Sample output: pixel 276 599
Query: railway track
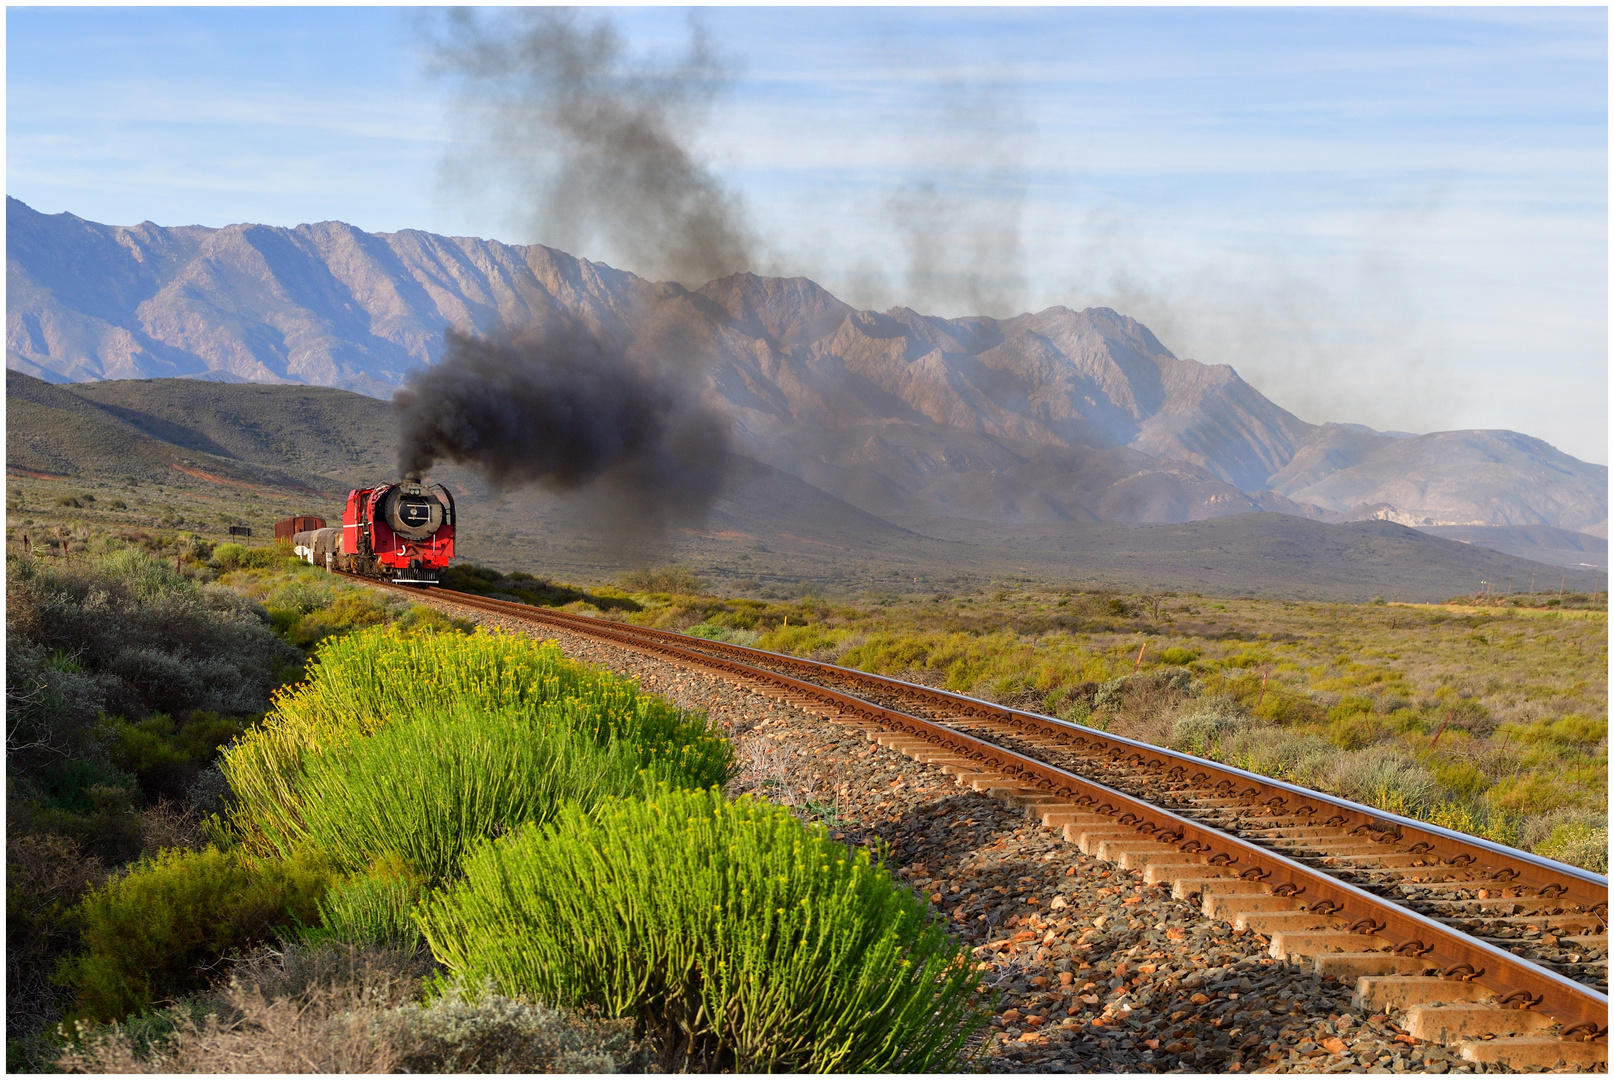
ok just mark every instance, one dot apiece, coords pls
pixel 1493 950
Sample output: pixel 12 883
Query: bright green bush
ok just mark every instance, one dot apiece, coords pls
pixel 424 790
pixel 370 910
pixel 1567 731
pixel 147 934
pixel 714 632
pixel 373 679
pixel 229 556
pixel 735 936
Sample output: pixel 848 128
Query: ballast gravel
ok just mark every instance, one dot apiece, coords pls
pixel 1086 969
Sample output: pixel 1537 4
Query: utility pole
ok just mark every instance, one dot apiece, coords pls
pixel 1561 587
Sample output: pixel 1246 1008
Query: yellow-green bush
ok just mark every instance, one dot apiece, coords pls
pixel 371 909
pixel 1352 731
pixel 149 934
pixel 497 727
pixel 735 936
pixel 1572 731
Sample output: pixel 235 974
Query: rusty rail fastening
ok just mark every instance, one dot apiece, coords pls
pixel 1580 1009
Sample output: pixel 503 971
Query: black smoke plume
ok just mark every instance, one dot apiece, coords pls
pixel 597 145
pixel 562 409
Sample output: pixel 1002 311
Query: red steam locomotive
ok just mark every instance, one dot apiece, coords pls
pixel 401 532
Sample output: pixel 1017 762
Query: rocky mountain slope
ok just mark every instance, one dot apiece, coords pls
pixel 1053 416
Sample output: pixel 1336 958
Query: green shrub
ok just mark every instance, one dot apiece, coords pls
pixel 1078 712
pixel 1474 819
pixel 370 910
pixel 127 635
pixel 167 756
pixel 422 619
pixel 425 790
pixel 229 556
pixel 1567 731
pixel 1579 843
pixel 1178 655
pixel 735 936
pixel 1201 727
pixel 1385 777
pixel 147 934
pixel 1355 730
pixel 371 679
pixel 100 818
pixel 661 579
pixel 732 635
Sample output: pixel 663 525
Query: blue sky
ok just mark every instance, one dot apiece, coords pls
pixel 1389 216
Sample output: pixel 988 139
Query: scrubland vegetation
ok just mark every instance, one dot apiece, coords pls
pixel 1489 718
pixel 218 848
pixel 260 818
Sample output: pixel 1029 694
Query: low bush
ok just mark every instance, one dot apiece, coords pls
pixel 167 755
pixel 99 817
pixel 46 876
pixel 661 579
pixel 1580 841
pixel 1355 730
pixel 1203 722
pixel 232 556
pixel 382 974
pixel 732 635
pixel 127 635
pixel 1572 731
pixel 348 1027
pixel 370 910
pixel 1385 777
pixel 148 934
pixel 424 790
pixel 732 934
pixel 510 689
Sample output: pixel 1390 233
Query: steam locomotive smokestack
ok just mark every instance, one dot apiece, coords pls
pixel 562 409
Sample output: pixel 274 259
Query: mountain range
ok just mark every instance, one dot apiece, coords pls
pixel 212 453
pixel 1054 418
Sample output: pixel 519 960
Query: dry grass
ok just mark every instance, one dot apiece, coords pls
pixel 168 824
pixel 340 1009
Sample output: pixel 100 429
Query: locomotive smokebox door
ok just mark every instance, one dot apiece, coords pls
pixel 411 511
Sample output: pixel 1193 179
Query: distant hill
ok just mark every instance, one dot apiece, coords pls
pixel 1048 417
pixel 1460 478
pixel 56 431
pixel 1560 547
pixel 302 447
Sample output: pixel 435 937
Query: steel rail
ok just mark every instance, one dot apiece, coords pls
pixel 1569 1002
